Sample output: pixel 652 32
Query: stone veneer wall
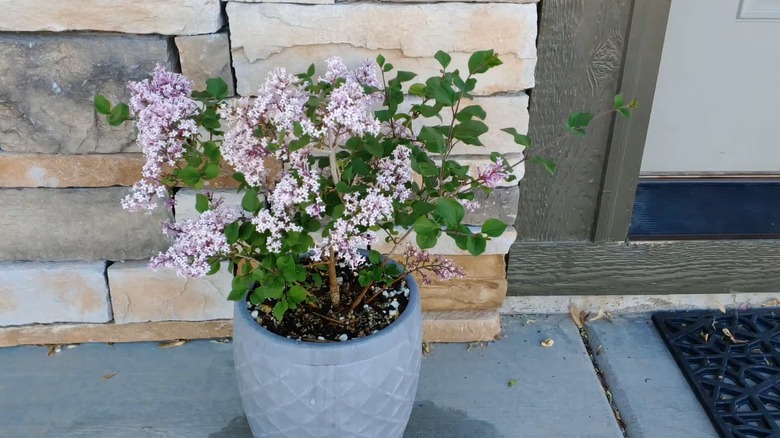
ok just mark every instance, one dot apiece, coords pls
pixel 72 263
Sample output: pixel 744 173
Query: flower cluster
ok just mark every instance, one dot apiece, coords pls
pixel 334 155
pixel 196 241
pixel 163 112
pixel 418 260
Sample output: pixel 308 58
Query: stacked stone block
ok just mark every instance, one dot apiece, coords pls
pixel 69 255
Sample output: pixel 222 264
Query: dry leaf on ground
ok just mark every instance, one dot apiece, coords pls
pixel 547 343
pixel 577 315
pixel 774 302
pixel 601 315
pixel 54 349
pixel 110 375
pixel 728 334
pixel 598 350
pixel 426 348
pixel 511 383
pixel 172 344
pixel 721 307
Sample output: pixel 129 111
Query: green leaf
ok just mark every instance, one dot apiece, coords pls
pixel 577 122
pixel 425 242
pixel 217 88
pixel 471 111
pixel 245 230
pixel 418 90
pixel 442 93
pixel 250 202
pixel 432 139
pixel 493 227
pixel 102 105
pixel 231 233
pixel 211 171
pixel 425 227
pixel 190 176
pixel 374 257
pixel 443 58
pixel 619 102
pixel 201 202
pixel 380 60
pixel 476 244
pixel 280 309
pixel 548 165
pixel 404 76
pixel 482 61
pixel 297 294
pixel 310 71
pixel 451 211
pixel 469 131
pixel 211 150
pixel 374 148
pixel 519 138
pixel 625 112
pixel 119 114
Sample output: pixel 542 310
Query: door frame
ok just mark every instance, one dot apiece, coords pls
pixel 573 228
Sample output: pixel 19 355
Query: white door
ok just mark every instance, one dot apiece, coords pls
pixel 717 100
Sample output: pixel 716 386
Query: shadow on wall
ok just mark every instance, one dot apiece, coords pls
pixel 427 420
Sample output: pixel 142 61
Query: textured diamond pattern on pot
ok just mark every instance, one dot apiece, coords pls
pixel 370 398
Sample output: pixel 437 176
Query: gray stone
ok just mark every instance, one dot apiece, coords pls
pixel 501 204
pixel 76 224
pixel 48 82
pixel 53 292
pixel 185 202
pixel 206 56
pixel 649 389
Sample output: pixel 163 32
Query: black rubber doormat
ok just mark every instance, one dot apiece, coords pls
pixel 732 362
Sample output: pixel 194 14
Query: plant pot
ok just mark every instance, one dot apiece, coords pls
pixel 359 388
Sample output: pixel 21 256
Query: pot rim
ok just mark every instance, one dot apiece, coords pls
pixel 411 309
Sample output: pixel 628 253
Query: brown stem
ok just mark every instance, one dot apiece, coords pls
pixel 335 295
pixel 556 141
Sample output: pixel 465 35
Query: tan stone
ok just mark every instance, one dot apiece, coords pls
pixel 461 326
pixel 167 17
pixel 206 56
pixel 451 326
pixel 53 292
pixel 140 294
pixel 265 36
pixel 95 170
pixel 464 294
pixel 484 266
pixel 138 332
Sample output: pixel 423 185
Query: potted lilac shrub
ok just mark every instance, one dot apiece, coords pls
pixel 328 329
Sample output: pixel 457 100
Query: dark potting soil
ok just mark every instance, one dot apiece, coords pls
pixel 320 322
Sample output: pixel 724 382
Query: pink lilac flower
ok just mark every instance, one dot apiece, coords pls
pixel 349 111
pixel 195 241
pixel 144 195
pixel 163 111
pixel 493 174
pixel 280 104
pixel 395 173
pixel 470 206
pixel 419 259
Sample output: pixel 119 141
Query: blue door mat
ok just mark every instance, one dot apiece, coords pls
pixel 732 362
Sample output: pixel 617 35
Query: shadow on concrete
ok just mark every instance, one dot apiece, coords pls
pixel 427 420
pixel 238 427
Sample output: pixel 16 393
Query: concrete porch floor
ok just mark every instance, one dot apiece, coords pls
pixel 190 391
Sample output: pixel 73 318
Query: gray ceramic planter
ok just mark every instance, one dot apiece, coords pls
pixel 358 388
